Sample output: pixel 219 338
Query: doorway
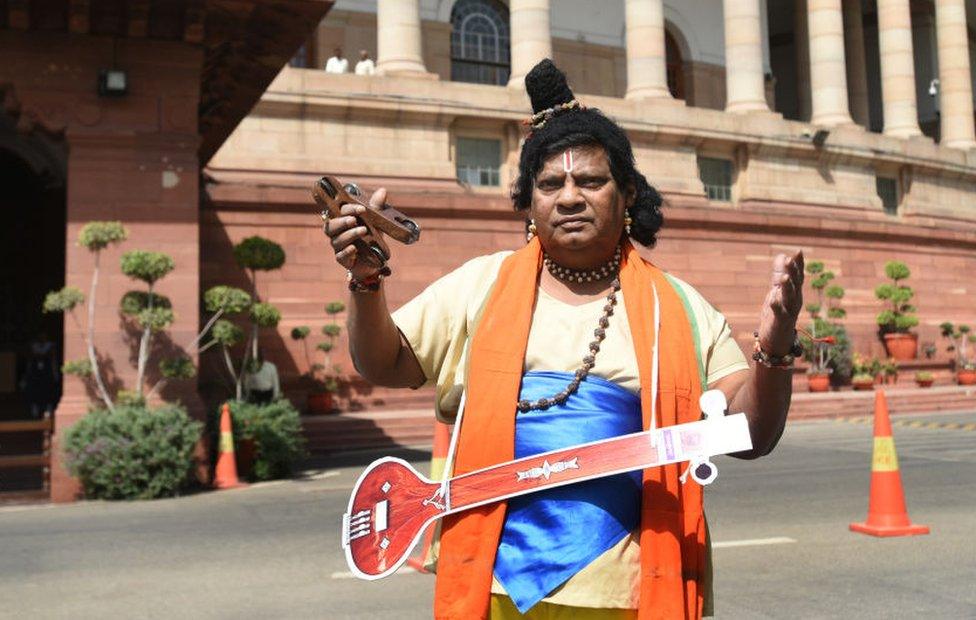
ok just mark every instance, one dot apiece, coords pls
pixel 32 233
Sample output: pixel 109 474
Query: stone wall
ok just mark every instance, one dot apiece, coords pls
pixel 132 158
pixel 787 194
pixel 725 251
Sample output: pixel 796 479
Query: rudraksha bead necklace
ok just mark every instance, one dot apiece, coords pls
pixel 589 360
pixel 583 275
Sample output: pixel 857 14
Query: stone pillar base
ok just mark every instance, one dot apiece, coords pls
pixel 410 73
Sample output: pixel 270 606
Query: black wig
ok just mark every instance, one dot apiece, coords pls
pixel 547 89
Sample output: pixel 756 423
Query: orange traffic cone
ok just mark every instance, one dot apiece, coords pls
pixel 225 474
pixel 438 458
pixel 887 515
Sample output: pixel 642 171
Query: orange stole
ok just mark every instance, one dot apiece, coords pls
pixel 672 530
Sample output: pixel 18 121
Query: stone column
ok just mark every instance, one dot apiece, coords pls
pixel 897 69
pixel 398 38
pixel 828 77
pixel 531 39
pixel 955 89
pixel 857 73
pixel 744 85
pixel 647 74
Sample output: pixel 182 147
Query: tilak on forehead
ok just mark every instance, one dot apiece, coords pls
pixel 568 161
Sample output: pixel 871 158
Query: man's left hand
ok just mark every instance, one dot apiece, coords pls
pixel 777 320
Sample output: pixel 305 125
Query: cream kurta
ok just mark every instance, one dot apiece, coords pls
pixel 439 322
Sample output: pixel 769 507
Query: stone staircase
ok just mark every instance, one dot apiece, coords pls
pixel 25 459
pixel 327 434
pixel 414 427
pixel 901 400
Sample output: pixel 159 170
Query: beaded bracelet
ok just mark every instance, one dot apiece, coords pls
pixel 777 361
pixel 370 284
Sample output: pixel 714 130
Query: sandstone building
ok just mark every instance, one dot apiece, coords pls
pixel 844 127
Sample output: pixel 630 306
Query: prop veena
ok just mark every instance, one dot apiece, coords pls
pixel 392 503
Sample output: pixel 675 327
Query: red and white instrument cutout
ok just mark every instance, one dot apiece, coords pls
pixel 392 503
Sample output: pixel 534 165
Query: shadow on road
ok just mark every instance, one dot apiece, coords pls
pixel 362 458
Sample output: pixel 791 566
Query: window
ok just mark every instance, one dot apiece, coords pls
pixel 888 192
pixel 478 161
pixel 675 66
pixel 480 42
pixel 716 176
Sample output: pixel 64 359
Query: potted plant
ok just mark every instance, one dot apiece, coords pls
pixel 889 370
pixel 960 337
pixel 865 372
pixel 819 343
pixel 924 379
pixel 325 378
pixel 898 318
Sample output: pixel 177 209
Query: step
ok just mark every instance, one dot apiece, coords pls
pixel 390 428
pixel 24 460
pixel 379 429
pixel 24 497
pixel 899 399
pixel 24 426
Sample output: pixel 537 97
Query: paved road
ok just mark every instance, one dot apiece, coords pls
pixel 271 551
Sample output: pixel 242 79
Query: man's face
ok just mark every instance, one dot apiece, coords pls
pixel 577 206
pixel 338 52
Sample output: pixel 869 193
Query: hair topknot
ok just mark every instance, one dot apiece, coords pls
pixel 581 126
pixel 547 86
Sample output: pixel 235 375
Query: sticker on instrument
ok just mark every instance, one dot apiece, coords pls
pixel 671 449
pixel 692 441
pixel 547 470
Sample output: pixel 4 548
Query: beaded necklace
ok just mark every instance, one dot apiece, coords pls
pixel 567 274
pixel 589 360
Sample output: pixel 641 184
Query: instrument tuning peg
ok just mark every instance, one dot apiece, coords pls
pixel 713 404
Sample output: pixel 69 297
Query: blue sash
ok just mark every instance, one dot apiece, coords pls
pixel 551 535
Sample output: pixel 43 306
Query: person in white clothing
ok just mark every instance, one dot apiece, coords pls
pixel 261 383
pixel 365 66
pixel 337 64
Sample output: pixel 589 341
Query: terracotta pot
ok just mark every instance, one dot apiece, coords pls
pixel 319 404
pixel 901 346
pixel 818 382
pixel 866 385
pixel 966 377
pixel 924 383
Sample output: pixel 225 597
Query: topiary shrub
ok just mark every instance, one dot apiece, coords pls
pixel 132 452
pixel 259 254
pixel 277 433
pixel 898 315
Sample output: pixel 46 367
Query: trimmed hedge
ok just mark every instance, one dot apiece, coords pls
pixel 133 452
pixel 276 429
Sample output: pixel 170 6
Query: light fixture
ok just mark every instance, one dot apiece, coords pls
pixel 112 82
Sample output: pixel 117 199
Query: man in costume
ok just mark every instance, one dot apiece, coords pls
pixel 555 345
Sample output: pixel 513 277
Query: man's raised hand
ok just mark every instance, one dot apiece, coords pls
pixel 344 230
pixel 780 309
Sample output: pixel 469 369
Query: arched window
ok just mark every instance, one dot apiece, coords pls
pixel 479 42
pixel 675 66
